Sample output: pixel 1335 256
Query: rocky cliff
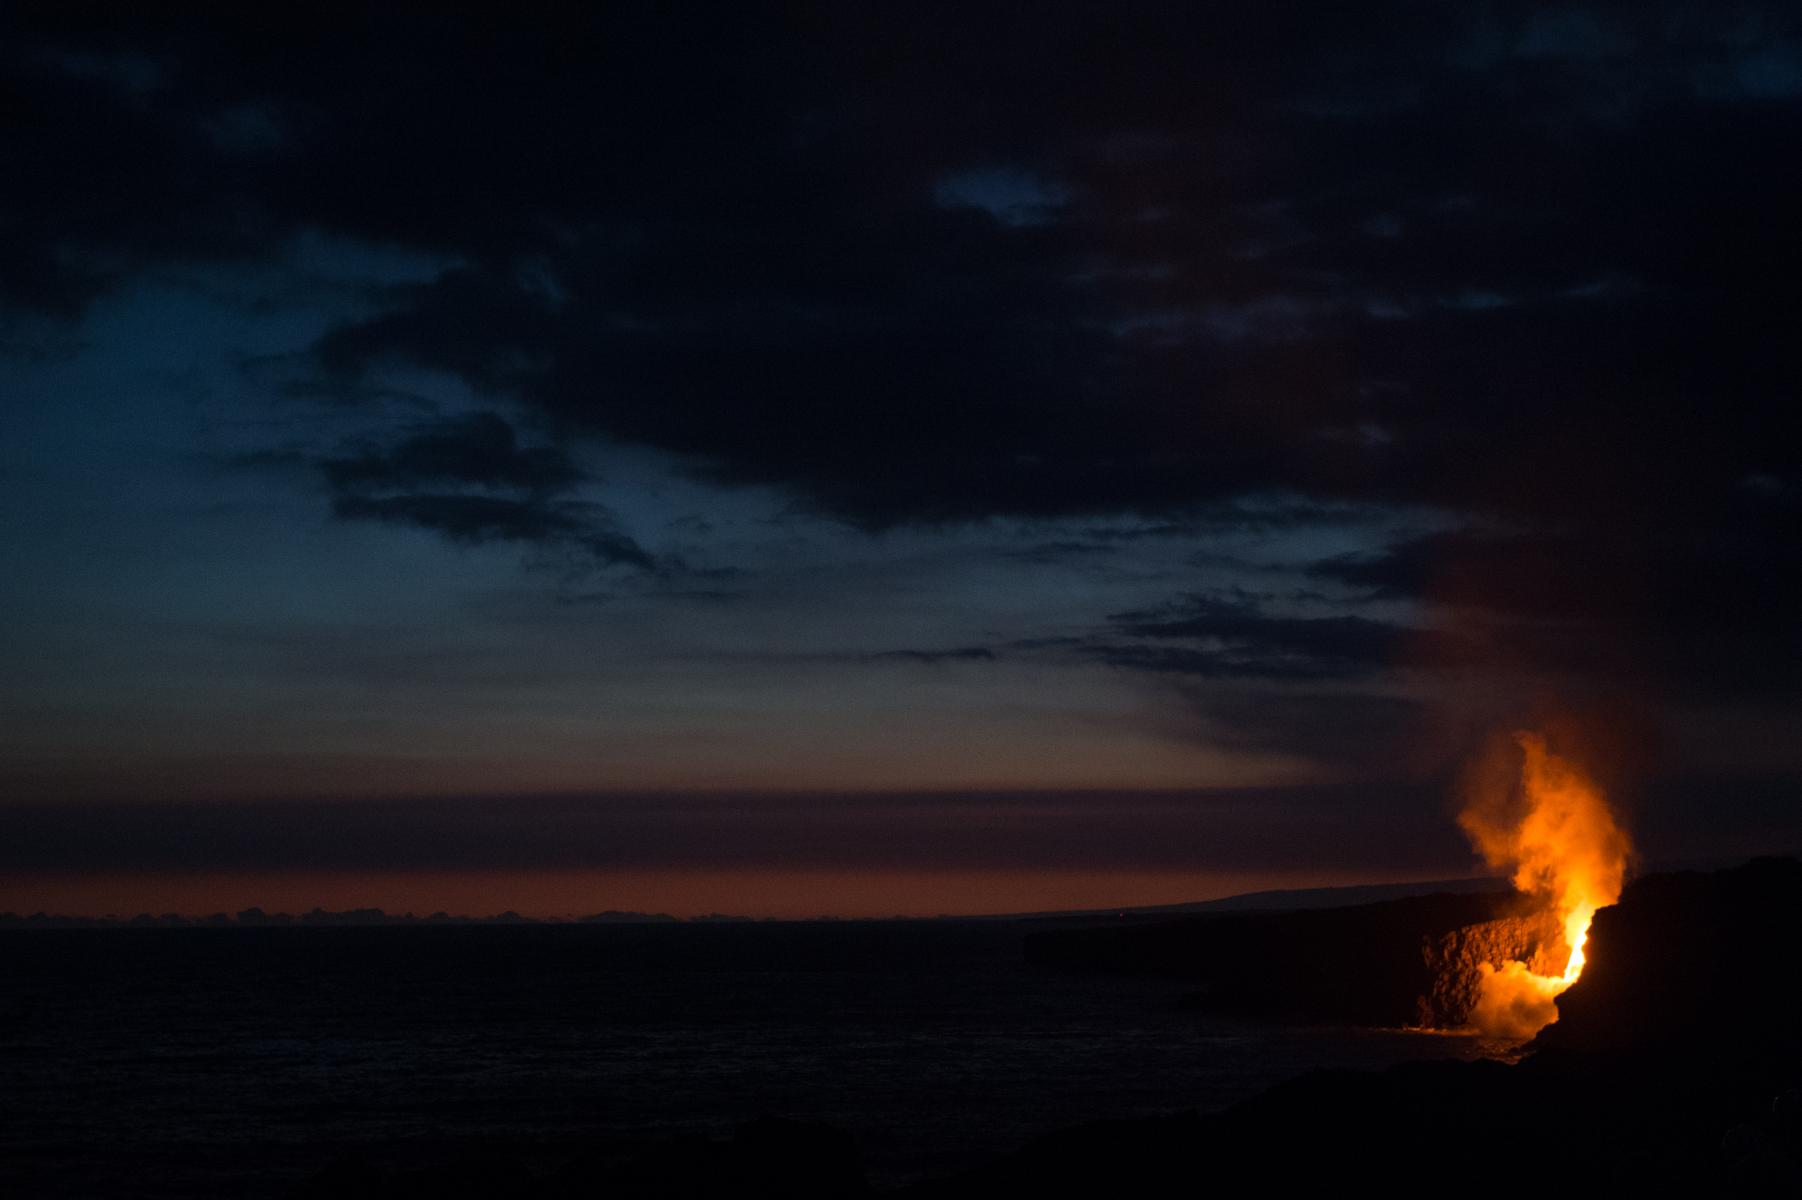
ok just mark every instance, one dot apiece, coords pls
pixel 1452 963
pixel 1397 963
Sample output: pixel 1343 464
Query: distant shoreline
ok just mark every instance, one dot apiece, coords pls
pixel 257 918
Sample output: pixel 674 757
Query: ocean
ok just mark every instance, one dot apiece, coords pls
pixel 240 1061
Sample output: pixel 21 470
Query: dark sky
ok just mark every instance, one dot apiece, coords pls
pixel 1146 447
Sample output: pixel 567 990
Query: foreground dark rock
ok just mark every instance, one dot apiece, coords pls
pixel 1692 959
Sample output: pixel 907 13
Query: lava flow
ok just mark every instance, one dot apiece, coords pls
pixel 1557 834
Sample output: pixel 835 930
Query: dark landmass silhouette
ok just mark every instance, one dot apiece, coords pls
pixel 1676 1065
pixel 1368 964
pixel 1277 900
pixel 1280 900
pixel 256 918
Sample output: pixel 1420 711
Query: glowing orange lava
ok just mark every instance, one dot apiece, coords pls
pixel 1557 834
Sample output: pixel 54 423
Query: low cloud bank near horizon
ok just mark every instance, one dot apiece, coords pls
pixel 1370 829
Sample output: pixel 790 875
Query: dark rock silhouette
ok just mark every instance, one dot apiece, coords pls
pixel 255 917
pixel 1691 960
pixel 1386 964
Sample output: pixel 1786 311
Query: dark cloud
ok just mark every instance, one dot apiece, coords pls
pixel 1055 553
pixel 507 493
pixel 960 654
pixel 1363 733
pixel 1274 828
pixel 1249 680
pixel 1702 609
pixel 1055 642
pixel 1381 826
pixel 915 265
pixel 1230 637
pixel 474 520
pixel 1211 637
pixel 480 449
pixel 1249 514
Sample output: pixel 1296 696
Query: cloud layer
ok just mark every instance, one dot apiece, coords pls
pixel 1166 289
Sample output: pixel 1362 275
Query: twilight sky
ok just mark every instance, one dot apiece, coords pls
pixel 874 459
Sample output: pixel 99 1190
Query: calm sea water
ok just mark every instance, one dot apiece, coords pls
pixel 236 1062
